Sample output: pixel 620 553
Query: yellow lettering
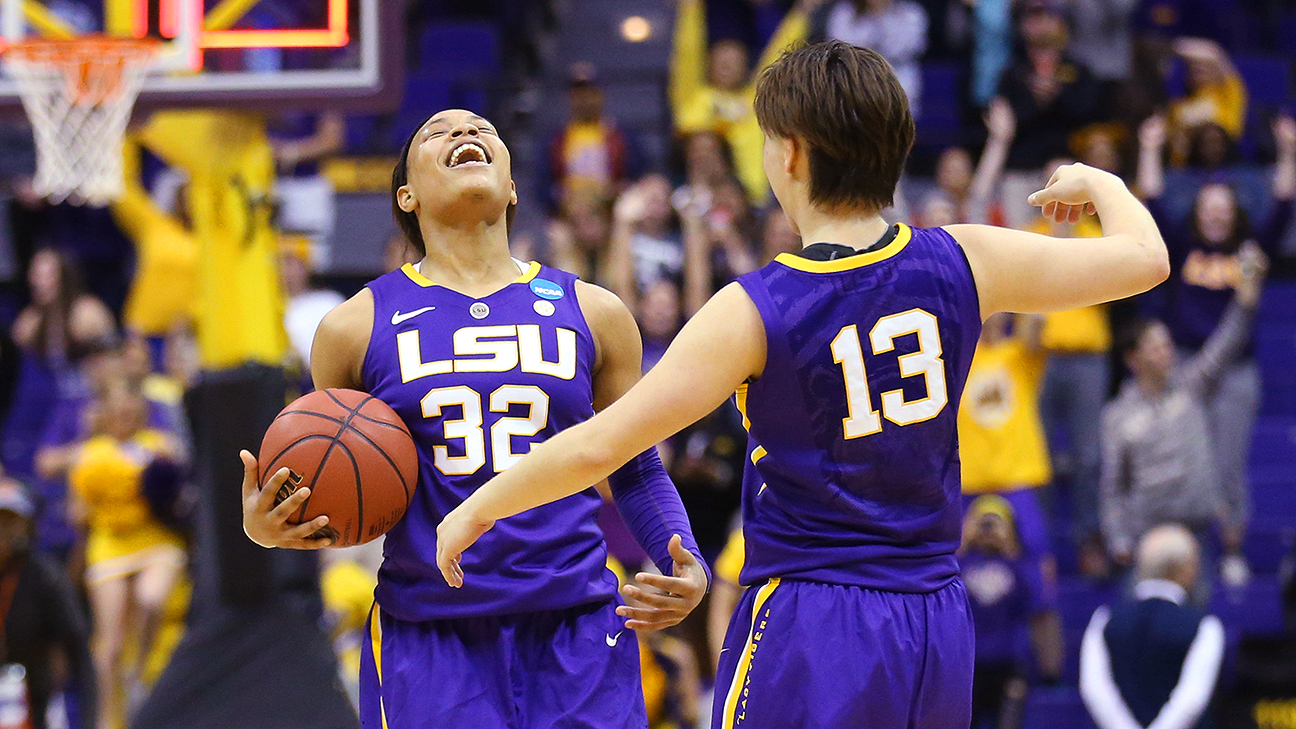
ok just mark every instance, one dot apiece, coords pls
pixel 1214 271
pixel 503 353
pixel 412 365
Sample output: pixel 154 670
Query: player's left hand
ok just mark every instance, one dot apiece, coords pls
pixel 458 531
pixel 658 601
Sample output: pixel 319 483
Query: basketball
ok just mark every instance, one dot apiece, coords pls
pixel 355 455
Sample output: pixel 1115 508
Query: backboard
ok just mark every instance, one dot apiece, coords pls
pixel 294 54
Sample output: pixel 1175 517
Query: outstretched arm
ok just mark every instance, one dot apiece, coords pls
pixel 618 272
pixel 1151 170
pixel 643 492
pixel 1284 179
pixel 1031 273
pixel 720 348
pixel 1001 125
pixel 794 29
pixel 688 57
pixel 1234 330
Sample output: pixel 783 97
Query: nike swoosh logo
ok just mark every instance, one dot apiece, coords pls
pixel 398 317
pixel 612 639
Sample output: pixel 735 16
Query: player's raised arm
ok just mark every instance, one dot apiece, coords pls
pixel 719 348
pixel 1026 272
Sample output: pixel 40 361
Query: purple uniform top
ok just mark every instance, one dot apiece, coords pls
pixel 853 468
pixel 478 382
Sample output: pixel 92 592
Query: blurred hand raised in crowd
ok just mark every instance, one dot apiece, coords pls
pixel 1152 132
pixel 631 206
pixel 1254 265
pixel 1284 131
pixel 1000 121
pixel 691 202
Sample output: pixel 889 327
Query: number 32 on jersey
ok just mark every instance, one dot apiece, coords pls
pixel 848 352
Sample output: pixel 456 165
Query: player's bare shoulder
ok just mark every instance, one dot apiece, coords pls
pixel 610 321
pixel 341 341
pixel 602 307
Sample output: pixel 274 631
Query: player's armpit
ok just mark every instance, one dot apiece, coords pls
pixel 619 357
pixel 341 341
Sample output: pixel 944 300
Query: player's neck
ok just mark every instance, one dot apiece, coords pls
pixel 854 231
pixel 474 261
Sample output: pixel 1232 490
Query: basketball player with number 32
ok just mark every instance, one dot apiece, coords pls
pixel 482 356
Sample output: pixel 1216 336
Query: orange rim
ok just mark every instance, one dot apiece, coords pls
pixel 91 65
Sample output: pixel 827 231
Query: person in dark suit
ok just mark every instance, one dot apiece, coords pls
pixel 1153 659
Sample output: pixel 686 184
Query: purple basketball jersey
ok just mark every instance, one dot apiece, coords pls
pixel 478 382
pixel 853 469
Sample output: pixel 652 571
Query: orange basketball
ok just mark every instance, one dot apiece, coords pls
pixel 356 456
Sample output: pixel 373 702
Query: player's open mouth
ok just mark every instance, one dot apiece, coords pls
pixel 468 154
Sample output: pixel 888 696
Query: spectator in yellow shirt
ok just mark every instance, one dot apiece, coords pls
pixel 1216 96
pixel 1001 439
pixel 132 560
pixel 714 89
pixel 1075 386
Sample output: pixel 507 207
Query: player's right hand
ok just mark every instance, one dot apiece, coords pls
pixel 267 524
pixel 1069 193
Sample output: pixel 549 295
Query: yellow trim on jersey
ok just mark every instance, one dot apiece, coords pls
pixel 408 269
pixel 530 273
pixel 413 274
pixel 375 635
pixel 740 400
pixel 791 260
pixel 758 453
pixel 734 699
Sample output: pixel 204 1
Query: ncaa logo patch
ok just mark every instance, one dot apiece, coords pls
pixel 547 289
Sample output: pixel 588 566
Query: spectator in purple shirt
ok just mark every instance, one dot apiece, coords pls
pixel 1206 256
pixel 1007 594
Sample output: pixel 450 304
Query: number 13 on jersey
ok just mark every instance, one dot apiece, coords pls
pixel 848 352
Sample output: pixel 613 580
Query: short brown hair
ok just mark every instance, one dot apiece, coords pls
pixel 848 107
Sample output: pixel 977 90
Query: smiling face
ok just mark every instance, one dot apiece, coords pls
pixel 728 65
pixel 457 170
pixel 1216 213
pixel 954 171
pixel 1154 355
pixel 45 277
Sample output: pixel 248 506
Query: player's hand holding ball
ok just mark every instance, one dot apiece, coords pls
pixel 1070 192
pixel 267 524
pixel 658 601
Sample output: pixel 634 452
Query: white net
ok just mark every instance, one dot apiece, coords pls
pixel 78 95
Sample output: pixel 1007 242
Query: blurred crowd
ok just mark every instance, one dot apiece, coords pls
pixel 1082 432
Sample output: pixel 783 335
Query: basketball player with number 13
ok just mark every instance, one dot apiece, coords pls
pixel 482 356
pixel 848 361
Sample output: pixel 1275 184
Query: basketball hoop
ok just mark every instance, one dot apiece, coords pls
pixel 78 95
